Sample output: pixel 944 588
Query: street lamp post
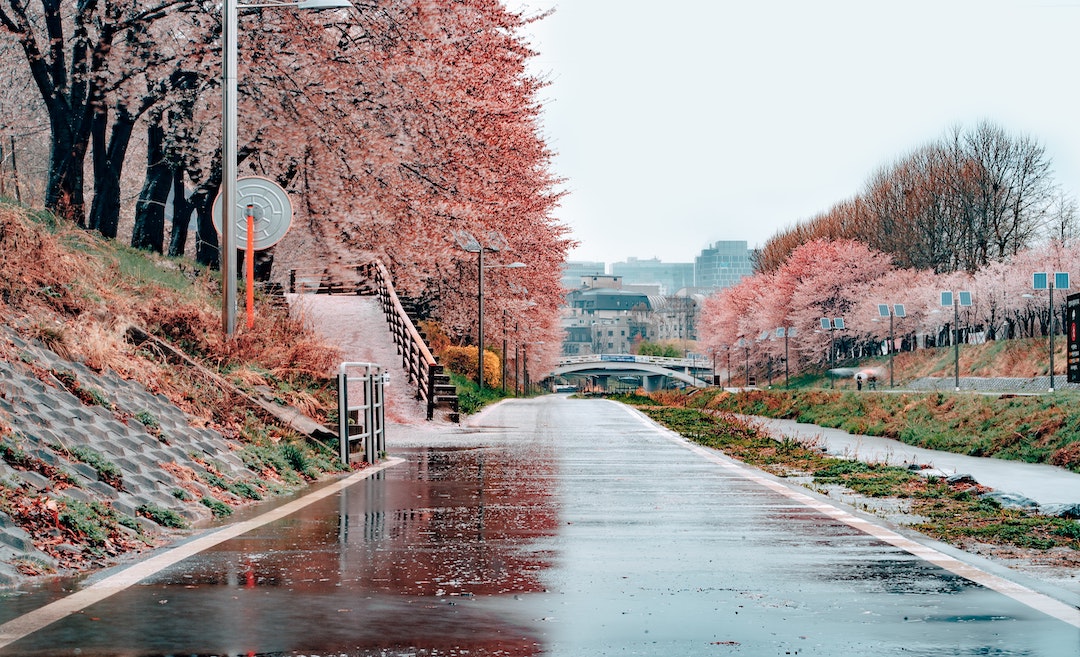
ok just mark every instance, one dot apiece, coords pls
pixel 743 342
pixel 227 255
pixel 728 347
pixel 480 322
pixel 896 310
pixel 786 332
pixel 480 318
pixel 830 325
pixel 1042 281
pixel 472 245
pixel 525 364
pixel 517 357
pixel 713 350
pixel 961 298
pixel 504 354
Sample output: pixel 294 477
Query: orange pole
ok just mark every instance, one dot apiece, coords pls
pixel 249 267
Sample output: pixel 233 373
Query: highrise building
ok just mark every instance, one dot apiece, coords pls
pixel 723 264
pixel 575 270
pixel 670 276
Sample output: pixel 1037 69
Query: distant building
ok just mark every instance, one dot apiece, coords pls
pixel 600 282
pixel 670 276
pixel 605 319
pixel 723 265
pixel 575 270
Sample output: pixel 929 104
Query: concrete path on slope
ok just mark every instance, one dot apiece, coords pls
pixel 357 326
pixel 1046 484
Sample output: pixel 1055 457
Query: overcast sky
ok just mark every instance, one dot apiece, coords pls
pixel 683 122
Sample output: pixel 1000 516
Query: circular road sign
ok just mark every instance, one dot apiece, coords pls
pixel 270 206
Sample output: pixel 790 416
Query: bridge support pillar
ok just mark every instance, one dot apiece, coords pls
pixel 653 382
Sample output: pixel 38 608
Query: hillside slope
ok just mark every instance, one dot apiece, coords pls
pixel 108 444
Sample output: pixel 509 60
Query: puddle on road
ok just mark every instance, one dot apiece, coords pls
pixel 452 553
pixel 427 558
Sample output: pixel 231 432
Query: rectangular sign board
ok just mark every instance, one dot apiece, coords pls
pixel 1072 327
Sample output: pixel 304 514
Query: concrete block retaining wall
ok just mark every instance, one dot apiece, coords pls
pixel 48 421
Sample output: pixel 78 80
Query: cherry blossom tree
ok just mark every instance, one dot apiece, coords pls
pixel 394 126
pixel 69 48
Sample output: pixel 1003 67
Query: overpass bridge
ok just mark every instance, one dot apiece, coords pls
pixel 653 371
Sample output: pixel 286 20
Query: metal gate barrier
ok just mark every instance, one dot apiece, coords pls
pixel 361 426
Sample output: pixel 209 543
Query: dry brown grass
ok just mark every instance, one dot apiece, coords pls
pixel 1024 358
pixel 76 293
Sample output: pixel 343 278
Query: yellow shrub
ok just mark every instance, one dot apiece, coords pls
pixel 462 361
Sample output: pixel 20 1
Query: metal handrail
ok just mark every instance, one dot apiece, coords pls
pixel 369 415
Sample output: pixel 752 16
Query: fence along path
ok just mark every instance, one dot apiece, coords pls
pixel 377 328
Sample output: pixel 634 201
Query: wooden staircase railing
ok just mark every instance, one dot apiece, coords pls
pixel 433 385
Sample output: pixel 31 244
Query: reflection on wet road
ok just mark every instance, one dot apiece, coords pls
pixel 565 527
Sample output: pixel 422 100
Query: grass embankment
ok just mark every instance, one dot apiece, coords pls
pixel 1034 429
pixel 952 513
pixel 78 293
pixel 471 398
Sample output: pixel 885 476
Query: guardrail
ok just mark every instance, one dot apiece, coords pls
pixel 698 363
pixel 433 386
pixel 363 422
pixel 321 281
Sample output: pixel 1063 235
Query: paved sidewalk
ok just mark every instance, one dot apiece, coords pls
pixel 1045 484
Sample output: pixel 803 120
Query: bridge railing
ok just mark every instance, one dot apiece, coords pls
pixel 421 367
pixel 698 363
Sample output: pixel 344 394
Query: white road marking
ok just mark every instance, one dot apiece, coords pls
pixel 1038 601
pixel 42 617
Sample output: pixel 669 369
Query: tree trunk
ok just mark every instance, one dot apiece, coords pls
pixel 108 165
pixel 181 215
pixel 64 194
pixel 149 232
pixel 206 238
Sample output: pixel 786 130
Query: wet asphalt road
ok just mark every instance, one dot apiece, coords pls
pixel 554 527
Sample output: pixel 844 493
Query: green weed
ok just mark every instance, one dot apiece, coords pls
pixel 85 520
pixel 162 516
pixel 107 471
pixel 217 507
